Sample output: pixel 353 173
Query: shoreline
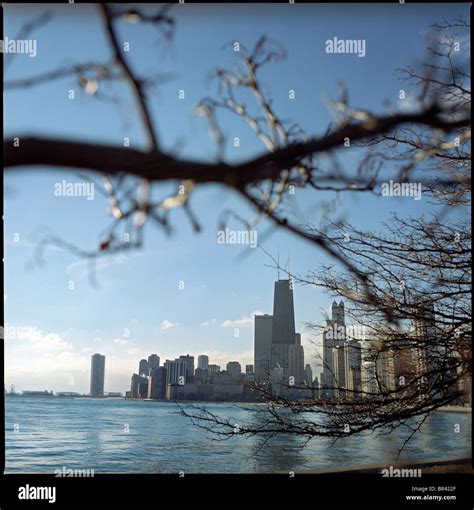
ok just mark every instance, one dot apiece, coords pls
pixel 427 466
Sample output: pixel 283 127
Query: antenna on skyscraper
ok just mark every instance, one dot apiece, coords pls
pixel 278 262
pixel 288 266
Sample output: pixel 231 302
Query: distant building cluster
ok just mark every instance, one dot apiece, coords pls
pixel 180 379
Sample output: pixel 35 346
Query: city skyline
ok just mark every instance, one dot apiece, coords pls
pixel 329 359
pixel 344 368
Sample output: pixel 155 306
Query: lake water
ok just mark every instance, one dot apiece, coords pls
pixel 44 434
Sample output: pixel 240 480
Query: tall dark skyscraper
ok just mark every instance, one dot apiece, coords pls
pixel 283 329
pixel 277 346
pixel 97 375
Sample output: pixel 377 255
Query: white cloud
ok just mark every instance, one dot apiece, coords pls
pixel 241 323
pixel 209 323
pixel 35 339
pixel 168 324
pixel 121 341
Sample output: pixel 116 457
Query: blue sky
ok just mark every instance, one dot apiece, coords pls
pixel 138 308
